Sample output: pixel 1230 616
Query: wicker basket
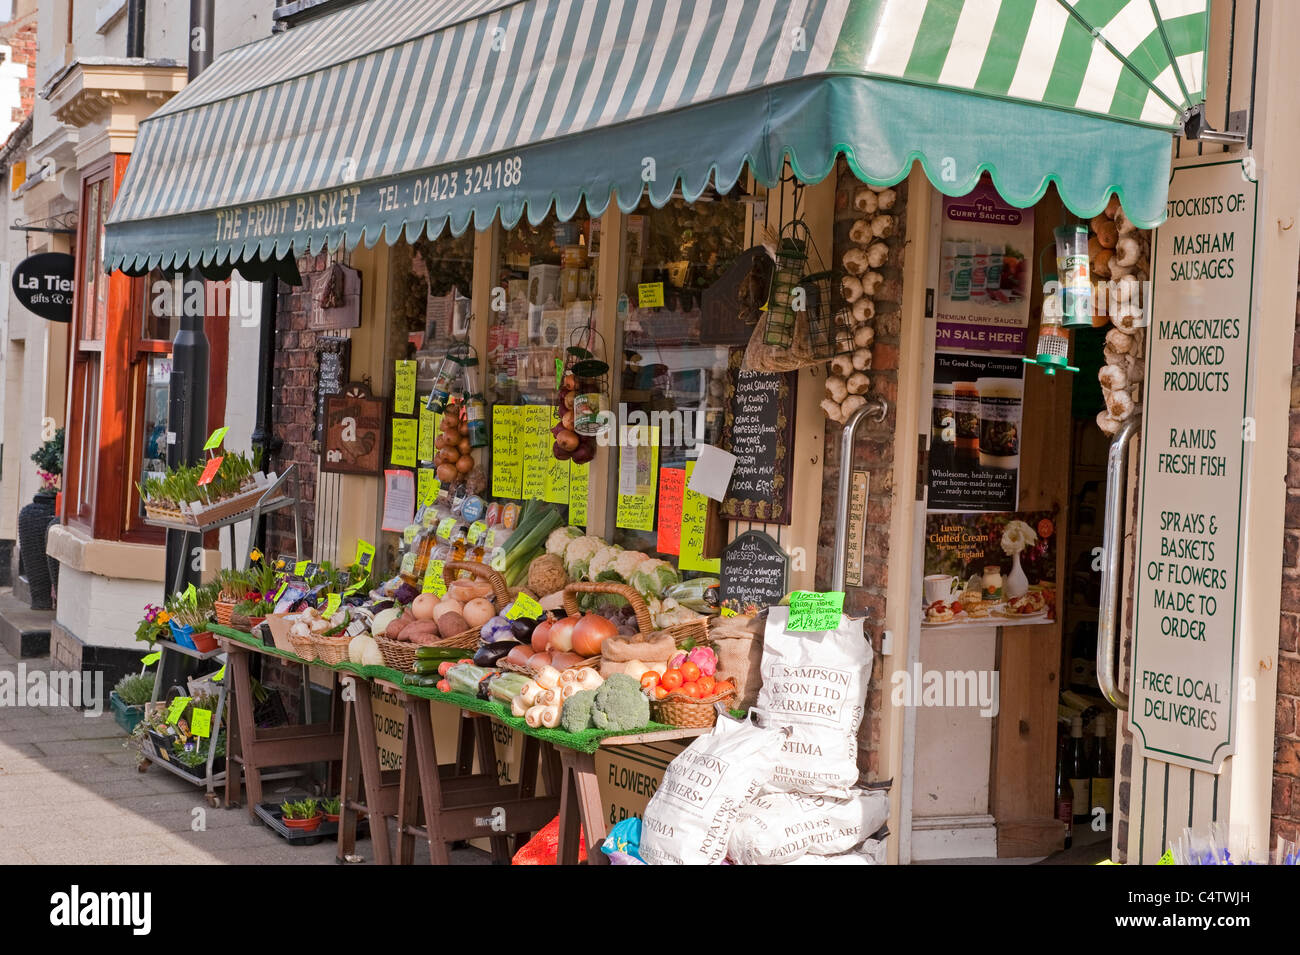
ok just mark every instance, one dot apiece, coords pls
pixel 679 709
pixel 304 647
pixel 331 650
pixel 398 654
pixel 468 639
pixel 694 630
pixel 643 622
pixel 223 609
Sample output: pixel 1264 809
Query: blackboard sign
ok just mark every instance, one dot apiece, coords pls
pixel 754 573
pixel 43 284
pixel 758 428
pixel 731 306
pixel 332 360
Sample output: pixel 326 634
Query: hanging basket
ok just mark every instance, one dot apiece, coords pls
pixel 830 329
pixel 791 266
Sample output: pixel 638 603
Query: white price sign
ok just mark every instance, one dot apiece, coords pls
pixel 1196 446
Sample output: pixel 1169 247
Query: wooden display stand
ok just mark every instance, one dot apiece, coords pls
pixel 251 750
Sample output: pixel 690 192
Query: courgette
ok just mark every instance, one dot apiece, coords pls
pixel 416 679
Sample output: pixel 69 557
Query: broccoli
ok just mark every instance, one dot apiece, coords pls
pixel 576 714
pixel 620 705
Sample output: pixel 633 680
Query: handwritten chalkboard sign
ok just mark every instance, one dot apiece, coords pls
pixel 731 306
pixel 754 572
pixel 758 428
pixel 332 360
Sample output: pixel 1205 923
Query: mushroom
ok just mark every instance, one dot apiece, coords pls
pixel 865 199
pixel 864 310
pixel 1119 341
pixel 859 384
pixel 851 287
pixel 882 226
pixel 877 252
pixel 1113 377
pixel 860 231
pixel 1107 424
pixel 832 409
pixel 842 365
pixel 887 198
pixel 856 261
pixel 836 388
pixel 1119 404
pixel 871 282
pixel 863 336
pixel 1127 252
pixel 861 359
pixel 851 404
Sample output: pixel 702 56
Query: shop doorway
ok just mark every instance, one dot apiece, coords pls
pixel 1000 678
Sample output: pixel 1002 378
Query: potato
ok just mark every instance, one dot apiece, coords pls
pixel 423 632
pixel 451 623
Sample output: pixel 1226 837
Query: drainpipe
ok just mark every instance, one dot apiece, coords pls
pixel 188 386
pixel 264 420
pixel 135 28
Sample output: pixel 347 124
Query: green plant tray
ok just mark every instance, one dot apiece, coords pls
pixel 126 715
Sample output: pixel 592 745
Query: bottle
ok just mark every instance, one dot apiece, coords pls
pixel 1076 770
pixel 1102 771
pixel 1064 797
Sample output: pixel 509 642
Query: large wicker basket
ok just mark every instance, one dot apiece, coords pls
pixel 468 639
pixel 331 650
pixel 398 654
pixel 305 647
pixel 681 709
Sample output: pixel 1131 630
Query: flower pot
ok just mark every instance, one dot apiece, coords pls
pixel 331 817
pixel 33 525
pixel 203 641
pixel 126 716
pixel 304 825
pixel 223 609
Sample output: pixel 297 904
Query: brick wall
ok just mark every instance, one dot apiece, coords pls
pixel 873 452
pixel 23 43
pixel 1286 742
pixel 294 403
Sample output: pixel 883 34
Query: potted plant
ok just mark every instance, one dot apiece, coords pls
pixel 251 611
pixel 128 698
pixel 188 618
pixel 34 521
pixel 331 808
pixel 303 815
pixel 232 585
pixel 153 626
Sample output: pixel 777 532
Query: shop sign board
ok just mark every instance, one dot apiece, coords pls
pixel 755 572
pixel 355 426
pixel 758 428
pixel 43 285
pixel 1196 439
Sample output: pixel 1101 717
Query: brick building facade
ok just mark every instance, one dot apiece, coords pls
pixel 1286 742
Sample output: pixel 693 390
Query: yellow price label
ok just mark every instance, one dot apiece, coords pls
pixel 177 708
pixel 149 659
pixel 408 563
pixel 727 612
pixel 650 295
pixel 300 568
pixel 476 531
pixel 525 606
pixel 201 722
pixel 433 582
pixel 332 604
pixel 445 527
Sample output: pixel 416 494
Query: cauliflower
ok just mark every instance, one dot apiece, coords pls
pixel 559 539
pixel 603 561
pixel 620 705
pixel 669 613
pixel 576 714
pixel 652 577
pixel 627 562
pixel 578 553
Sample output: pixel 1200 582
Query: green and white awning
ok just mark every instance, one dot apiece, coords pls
pixel 393 117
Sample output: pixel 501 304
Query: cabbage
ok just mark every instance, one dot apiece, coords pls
pixel 652 577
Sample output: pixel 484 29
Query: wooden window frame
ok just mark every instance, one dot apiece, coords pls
pixel 114 501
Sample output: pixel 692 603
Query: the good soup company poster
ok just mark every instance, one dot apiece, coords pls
pixel 986 261
pixel 975 433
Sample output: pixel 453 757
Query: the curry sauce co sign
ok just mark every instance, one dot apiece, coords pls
pixel 43 284
pixel 1196 445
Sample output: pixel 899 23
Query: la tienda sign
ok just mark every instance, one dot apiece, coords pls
pixel 43 284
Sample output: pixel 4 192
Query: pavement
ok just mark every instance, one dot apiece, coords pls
pixel 71 793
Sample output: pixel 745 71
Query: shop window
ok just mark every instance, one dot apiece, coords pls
pixel 543 294
pixel 677 381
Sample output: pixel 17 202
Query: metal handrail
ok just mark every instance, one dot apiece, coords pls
pixel 1112 546
pixel 878 408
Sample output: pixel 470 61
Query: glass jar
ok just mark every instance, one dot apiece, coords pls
pixel 992 582
pixel 589 404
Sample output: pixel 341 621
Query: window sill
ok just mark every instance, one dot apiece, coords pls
pixel 74 548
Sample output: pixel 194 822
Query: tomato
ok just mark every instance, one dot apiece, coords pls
pixel 660 693
pixel 706 684
pixel 649 679
pixel 690 672
pixel 691 689
pixel 671 680
pixel 724 686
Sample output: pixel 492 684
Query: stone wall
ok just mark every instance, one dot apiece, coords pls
pixel 873 452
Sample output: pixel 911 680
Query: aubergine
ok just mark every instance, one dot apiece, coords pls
pixel 523 628
pixel 489 653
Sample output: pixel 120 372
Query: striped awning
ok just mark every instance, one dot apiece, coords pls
pixel 393 117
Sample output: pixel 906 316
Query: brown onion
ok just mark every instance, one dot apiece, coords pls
pixel 590 632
